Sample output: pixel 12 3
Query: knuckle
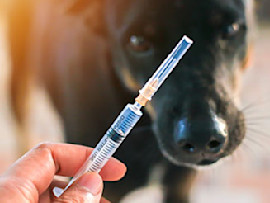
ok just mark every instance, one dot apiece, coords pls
pixel 43 145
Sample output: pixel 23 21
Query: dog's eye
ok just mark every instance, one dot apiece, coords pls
pixel 139 43
pixel 232 30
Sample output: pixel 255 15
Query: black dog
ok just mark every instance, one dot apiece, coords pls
pixel 92 69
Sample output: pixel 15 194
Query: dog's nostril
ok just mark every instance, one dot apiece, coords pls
pixel 214 146
pixel 186 146
pixel 189 148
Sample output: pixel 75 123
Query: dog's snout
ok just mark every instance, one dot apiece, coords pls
pixel 201 139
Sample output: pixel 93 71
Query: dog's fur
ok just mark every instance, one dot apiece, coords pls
pixel 83 55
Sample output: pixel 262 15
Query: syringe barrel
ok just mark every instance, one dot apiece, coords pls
pixel 109 143
pixel 113 137
pixel 129 116
pixel 98 158
pixel 116 134
pixel 127 120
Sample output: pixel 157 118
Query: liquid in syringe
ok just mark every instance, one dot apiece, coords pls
pixel 128 118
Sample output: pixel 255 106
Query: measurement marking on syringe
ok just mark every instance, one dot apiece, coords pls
pixel 130 115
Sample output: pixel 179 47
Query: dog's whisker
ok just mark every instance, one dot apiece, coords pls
pixel 260 137
pixel 259 122
pixel 259 132
pixel 237 154
pixel 252 124
pixel 255 119
pixel 252 147
pixel 248 150
pixel 256 142
pixel 241 152
pixel 258 118
pixel 256 114
pixel 255 125
pixel 254 104
pixel 253 140
pixel 261 143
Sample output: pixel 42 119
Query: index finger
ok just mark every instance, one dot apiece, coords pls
pixel 46 160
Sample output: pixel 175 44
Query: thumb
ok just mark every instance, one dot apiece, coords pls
pixel 87 189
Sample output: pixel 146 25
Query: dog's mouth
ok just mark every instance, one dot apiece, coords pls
pixel 203 163
pixel 192 161
pixel 207 162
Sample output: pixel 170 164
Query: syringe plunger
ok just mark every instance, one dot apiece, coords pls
pixel 129 116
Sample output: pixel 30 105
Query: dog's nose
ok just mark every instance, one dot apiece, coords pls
pixel 206 137
pixel 214 145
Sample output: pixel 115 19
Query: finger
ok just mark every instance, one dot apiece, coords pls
pixel 41 164
pixel 114 170
pixel 48 196
pixel 69 158
pixel 104 200
pixel 87 189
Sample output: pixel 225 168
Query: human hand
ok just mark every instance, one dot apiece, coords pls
pixel 31 178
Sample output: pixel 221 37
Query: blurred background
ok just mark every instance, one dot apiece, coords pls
pixel 241 178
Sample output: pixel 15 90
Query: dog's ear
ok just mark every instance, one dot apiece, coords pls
pixel 92 12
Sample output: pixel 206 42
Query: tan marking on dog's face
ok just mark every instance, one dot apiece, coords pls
pixel 246 63
pixel 248 59
pixel 151 111
pixel 129 80
pixel 134 86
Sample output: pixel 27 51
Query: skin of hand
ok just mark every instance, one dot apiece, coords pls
pixel 31 178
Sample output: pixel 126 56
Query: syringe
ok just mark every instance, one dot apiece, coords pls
pixel 129 116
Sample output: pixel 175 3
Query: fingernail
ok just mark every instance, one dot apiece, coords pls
pixel 92 181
